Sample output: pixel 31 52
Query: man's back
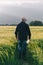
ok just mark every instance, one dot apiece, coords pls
pixel 22 31
pixel 23 36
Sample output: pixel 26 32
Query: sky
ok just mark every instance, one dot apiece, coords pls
pixel 12 10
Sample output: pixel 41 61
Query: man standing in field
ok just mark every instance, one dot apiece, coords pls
pixel 23 36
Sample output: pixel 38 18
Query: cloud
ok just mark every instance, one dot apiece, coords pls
pixel 32 9
pixel 18 2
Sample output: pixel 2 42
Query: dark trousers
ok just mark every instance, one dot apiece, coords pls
pixel 22 49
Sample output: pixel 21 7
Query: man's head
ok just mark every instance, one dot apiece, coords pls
pixel 24 19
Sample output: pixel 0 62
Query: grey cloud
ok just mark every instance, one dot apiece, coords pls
pixel 12 13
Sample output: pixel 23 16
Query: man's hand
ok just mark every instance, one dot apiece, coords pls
pixel 28 41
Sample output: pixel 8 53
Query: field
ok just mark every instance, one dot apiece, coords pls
pixel 8 50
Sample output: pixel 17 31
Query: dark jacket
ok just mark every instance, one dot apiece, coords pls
pixel 23 31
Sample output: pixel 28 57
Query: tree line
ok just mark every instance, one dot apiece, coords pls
pixel 32 23
pixel 36 23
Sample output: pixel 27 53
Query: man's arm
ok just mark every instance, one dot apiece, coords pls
pixel 16 32
pixel 28 35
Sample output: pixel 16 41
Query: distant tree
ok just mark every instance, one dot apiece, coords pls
pixel 13 24
pixel 6 24
pixel 36 23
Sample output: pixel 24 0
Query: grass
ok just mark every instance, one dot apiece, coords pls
pixel 8 47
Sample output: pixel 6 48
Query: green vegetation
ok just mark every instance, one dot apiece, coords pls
pixel 8 47
pixel 36 23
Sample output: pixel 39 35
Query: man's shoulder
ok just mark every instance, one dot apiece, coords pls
pixel 23 24
pixel 19 24
pixel 27 24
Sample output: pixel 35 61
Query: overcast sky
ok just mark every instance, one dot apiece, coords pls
pixel 31 9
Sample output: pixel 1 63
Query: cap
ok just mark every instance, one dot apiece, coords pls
pixel 23 18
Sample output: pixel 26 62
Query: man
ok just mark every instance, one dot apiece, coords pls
pixel 23 36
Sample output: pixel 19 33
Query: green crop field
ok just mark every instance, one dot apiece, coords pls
pixel 8 44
